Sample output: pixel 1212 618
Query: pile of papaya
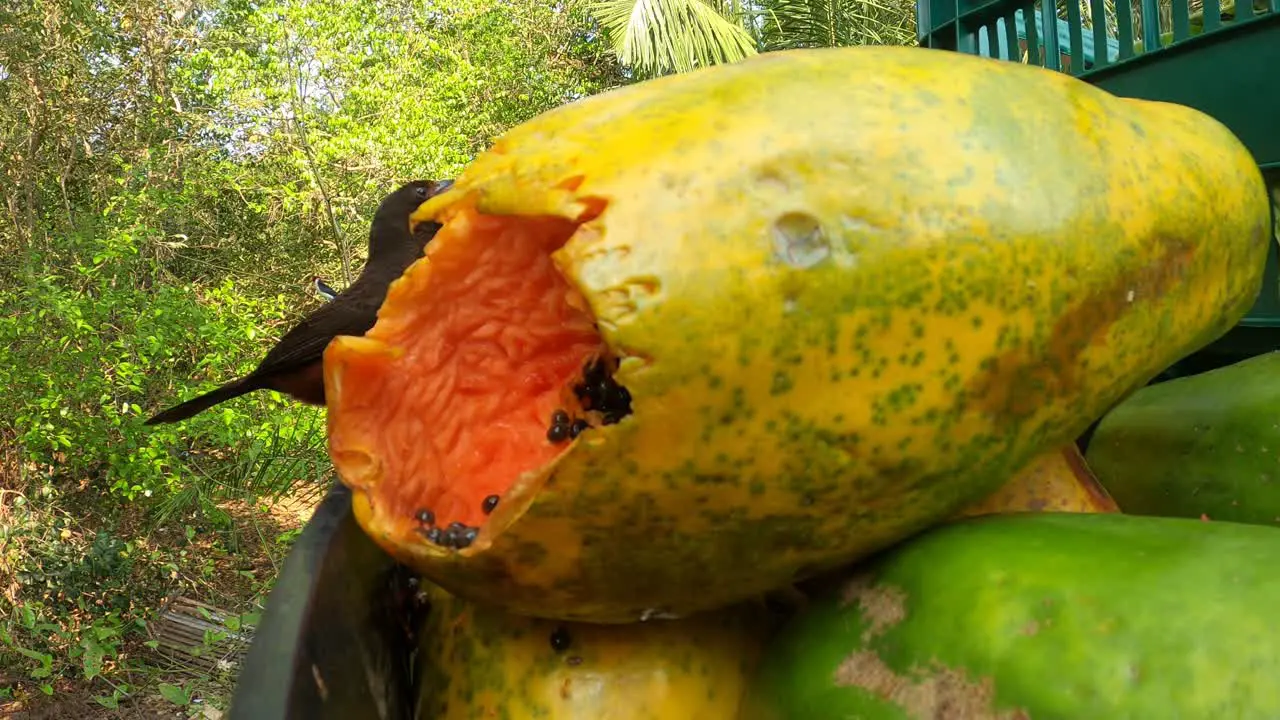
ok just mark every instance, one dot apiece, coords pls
pixel 755 391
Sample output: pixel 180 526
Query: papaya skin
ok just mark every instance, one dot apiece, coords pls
pixel 478 662
pixel 1039 615
pixel 853 291
pixel 1205 445
pixel 1056 481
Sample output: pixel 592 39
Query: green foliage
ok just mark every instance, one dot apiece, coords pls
pixel 63 622
pixel 174 694
pixel 82 600
pixel 171 177
pixel 656 37
pixel 786 24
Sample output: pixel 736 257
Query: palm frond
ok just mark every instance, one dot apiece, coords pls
pixel 657 37
pixel 836 23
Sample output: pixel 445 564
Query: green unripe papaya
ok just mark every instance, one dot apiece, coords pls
pixel 1041 615
pixel 1207 444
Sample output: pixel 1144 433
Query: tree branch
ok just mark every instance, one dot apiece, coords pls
pixel 299 125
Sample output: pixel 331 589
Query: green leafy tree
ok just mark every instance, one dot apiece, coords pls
pixel 172 174
pixel 657 37
pixel 788 24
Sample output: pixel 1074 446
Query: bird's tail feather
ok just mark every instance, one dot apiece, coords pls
pixel 203 402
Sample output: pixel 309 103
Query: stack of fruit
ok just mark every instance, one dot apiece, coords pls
pixel 752 392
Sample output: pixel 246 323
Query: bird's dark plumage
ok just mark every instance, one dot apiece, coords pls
pixel 293 366
pixel 322 289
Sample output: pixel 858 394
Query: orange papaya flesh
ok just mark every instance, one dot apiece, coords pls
pixel 1055 481
pixel 491 359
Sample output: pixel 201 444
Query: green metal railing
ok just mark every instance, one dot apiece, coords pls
pixel 993 27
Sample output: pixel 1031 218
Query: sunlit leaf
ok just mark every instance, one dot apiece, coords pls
pixel 91 663
pixel 174 694
pixel 656 37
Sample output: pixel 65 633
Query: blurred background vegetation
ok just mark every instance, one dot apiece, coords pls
pixel 173 173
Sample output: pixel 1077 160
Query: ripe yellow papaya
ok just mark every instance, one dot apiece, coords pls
pixel 697 338
pixel 476 661
pixel 1055 481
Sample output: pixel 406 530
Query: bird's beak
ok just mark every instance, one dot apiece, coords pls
pixel 437 187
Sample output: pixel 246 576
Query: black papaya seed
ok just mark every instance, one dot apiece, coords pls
pixel 489 504
pixel 453 534
pixel 560 640
pixel 466 537
pixel 577 427
pixel 434 535
pixel 622 397
pixel 558 433
pixel 559 417
pixel 425 517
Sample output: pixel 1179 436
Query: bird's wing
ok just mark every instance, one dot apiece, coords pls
pixel 306 341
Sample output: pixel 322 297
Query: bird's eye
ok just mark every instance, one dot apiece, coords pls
pixel 420 192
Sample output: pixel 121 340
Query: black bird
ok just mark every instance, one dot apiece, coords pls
pixel 293 366
pixel 322 289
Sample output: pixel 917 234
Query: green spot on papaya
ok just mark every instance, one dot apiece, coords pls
pixel 782 383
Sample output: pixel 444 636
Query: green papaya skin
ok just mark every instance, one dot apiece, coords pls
pixel 1041 615
pixel 1208 444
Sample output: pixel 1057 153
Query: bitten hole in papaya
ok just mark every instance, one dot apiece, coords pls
pixel 502 367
